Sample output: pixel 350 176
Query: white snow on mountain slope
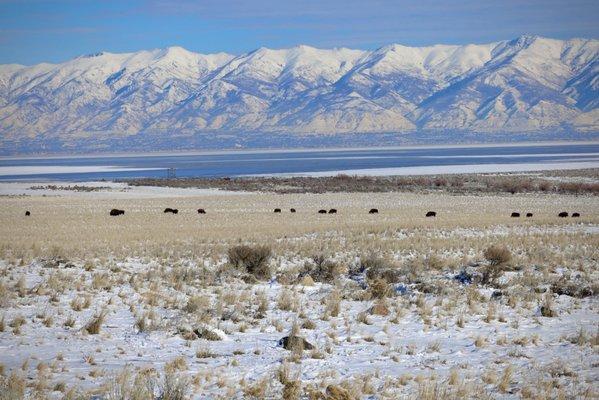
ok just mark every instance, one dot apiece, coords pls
pixel 526 84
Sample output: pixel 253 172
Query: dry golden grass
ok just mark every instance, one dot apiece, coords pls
pixel 79 227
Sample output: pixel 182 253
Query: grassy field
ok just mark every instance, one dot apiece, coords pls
pixel 81 226
pixel 470 304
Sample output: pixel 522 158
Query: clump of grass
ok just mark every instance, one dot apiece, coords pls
pixel 95 324
pixel 204 352
pixel 291 383
pixel 69 322
pixel 379 288
pixel 498 257
pixel 324 269
pixel 177 364
pixel 548 307
pixel 378 267
pixel 196 303
pixel 333 304
pixel 5 294
pixel 48 321
pixel 480 341
pixel 287 301
pixel 308 324
pixel 125 385
pixel 12 387
pixel 253 259
pixel 506 379
pixel 173 387
pixel 16 324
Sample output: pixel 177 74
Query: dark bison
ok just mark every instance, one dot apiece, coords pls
pixel 277 210
pixel 171 210
pixel 201 211
pixel 515 215
pixel 27 213
pixel 373 211
pixel 115 211
pixel 528 215
pixel 563 214
pixel 431 214
pixel 292 210
pixel 322 211
pixel 575 215
pixel 333 211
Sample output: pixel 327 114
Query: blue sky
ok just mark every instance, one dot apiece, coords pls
pixel 33 31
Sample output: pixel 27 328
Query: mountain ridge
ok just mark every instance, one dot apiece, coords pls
pixel 527 84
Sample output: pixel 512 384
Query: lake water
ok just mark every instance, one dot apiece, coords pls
pixel 374 161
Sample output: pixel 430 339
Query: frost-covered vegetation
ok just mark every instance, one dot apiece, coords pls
pixel 244 303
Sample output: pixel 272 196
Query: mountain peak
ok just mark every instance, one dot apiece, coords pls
pixel 526 84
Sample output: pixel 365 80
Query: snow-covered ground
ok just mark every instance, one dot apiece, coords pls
pixel 103 189
pixel 394 306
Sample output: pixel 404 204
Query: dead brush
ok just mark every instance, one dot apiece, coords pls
pixel 548 306
pixel 332 304
pixel 262 301
pixel 291 382
pixel 5 295
pixel 379 288
pixel 12 387
pixel 287 300
pixel 324 269
pixel 258 389
pixel 16 324
pixel 497 257
pixel 95 324
pixel 377 267
pixel 197 303
pixel 253 259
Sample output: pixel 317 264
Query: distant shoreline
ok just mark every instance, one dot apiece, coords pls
pixel 296 150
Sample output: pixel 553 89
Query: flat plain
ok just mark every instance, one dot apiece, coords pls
pixel 472 303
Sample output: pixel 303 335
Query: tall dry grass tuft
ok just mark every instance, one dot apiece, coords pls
pixel 95 324
pixel 498 257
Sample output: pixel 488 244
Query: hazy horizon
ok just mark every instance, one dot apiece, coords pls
pixel 39 31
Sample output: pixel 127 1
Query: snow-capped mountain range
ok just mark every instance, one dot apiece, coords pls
pixel 529 84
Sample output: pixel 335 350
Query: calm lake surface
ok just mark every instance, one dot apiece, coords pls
pixel 376 161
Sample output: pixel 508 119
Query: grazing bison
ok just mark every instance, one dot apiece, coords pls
pixel 373 211
pixel 431 214
pixel 171 210
pixel 292 210
pixel 563 214
pixel 201 211
pixel 515 215
pixel 277 210
pixel 575 215
pixel 115 211
pixel 333 211
pixel 528 215
pixel 322 211
pixel 27 213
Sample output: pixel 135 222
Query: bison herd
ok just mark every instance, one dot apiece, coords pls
pixel 562 214
pixel 116 212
